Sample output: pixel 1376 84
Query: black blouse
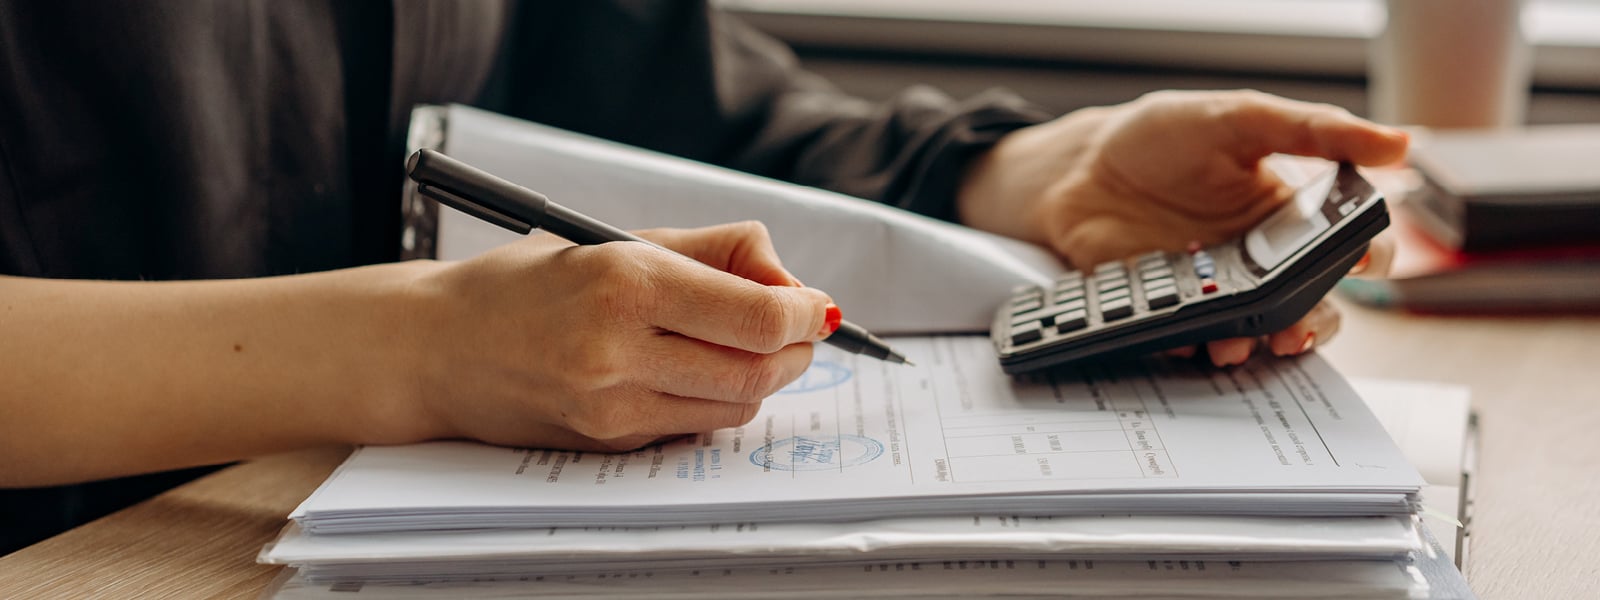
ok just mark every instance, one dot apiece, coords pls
pixel 184 140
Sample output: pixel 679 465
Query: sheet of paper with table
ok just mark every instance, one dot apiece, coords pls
pixel 860 439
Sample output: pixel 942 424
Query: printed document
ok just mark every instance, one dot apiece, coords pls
pixel 856 438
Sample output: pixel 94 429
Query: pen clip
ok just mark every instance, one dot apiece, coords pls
pixel 473 208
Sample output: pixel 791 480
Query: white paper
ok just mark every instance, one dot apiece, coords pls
pixel 440 555
pixel 856 438
pixel 1429 421
pixel 892 271
pixel 951 579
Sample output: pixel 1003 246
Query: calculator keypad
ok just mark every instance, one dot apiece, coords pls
pixel 1110 294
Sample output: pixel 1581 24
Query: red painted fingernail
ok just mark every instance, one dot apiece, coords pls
pixel 1361 265
pixel 1311 339
pixel 831 319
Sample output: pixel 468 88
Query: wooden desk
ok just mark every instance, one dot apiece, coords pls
pixel 1536 383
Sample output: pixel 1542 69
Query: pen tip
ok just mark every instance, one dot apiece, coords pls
pixel 907 362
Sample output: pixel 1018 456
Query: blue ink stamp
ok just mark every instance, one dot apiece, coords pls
pixel 817 453
pixel 822 374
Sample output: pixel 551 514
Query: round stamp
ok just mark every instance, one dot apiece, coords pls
pixel 817 453
pixel 821 375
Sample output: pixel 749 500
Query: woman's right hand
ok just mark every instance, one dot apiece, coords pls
pixel 610 347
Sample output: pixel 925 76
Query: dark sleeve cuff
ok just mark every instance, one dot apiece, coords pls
pixel 977 125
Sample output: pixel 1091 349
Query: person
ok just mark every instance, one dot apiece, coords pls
pixel 198 226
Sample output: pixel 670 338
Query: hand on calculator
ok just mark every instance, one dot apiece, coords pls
pixel 1165 171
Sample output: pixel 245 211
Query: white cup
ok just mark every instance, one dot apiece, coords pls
pixel 1450 64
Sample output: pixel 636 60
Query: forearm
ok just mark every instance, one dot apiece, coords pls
pixel 111 378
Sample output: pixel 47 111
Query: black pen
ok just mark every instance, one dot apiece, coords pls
pixel 477 193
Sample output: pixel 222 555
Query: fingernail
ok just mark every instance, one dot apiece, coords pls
pixel 1311 340
pixel 1181 352
pixel 1361 265
pixel 831 318
pixel 1231 357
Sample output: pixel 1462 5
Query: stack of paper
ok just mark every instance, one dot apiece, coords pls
pixel 834 467
pixel 862 479
pixel 411 556
pixel 958 579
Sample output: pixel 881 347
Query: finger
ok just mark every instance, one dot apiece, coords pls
pixel 1181 352
pixel 691 368
pixel 1378 260
pixel 650 415
pixel 1317 327
pixel 1266 124
pixel 706 304
pixel 1233 351
pixel 743 249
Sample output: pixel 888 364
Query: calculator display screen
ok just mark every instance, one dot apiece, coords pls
pixel 1316 207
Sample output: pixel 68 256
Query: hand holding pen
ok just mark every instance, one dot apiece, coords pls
pixel 519 209
pixel 604 346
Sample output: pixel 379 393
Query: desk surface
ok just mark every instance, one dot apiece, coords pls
pixel 1535 531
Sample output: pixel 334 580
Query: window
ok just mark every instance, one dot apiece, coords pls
pixel 1307 37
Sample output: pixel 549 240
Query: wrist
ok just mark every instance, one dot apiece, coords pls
pixel 402 304
pixel 1013 189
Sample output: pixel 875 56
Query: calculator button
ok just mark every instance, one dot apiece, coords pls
pixel 1070 277
pixel 1067 288
pixel 1110 267
pixel 1108 295
pixel 1160 282
pixel 1208 286
pixel 1204 266
pixel 1071 321
pixel 1161 297
pixel 1063 304
pixel 1026 333
pixel 1156 273
pixel 1026 305
pixel 1105 278
pixel 1044 314
pixel 1111 286
pixel 1116 309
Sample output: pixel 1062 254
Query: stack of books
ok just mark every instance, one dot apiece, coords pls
pixel 1503 221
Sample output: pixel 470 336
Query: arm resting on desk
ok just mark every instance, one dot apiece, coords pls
pixel 538 343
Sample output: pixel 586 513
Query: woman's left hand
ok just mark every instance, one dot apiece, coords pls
pixel 1163 171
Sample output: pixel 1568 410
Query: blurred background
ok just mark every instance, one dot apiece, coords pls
pixel 1501 210
pixel 1066 54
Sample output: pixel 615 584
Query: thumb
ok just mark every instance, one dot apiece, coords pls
pixel 1264 124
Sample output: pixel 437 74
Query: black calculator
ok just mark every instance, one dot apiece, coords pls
pixel 1256 284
